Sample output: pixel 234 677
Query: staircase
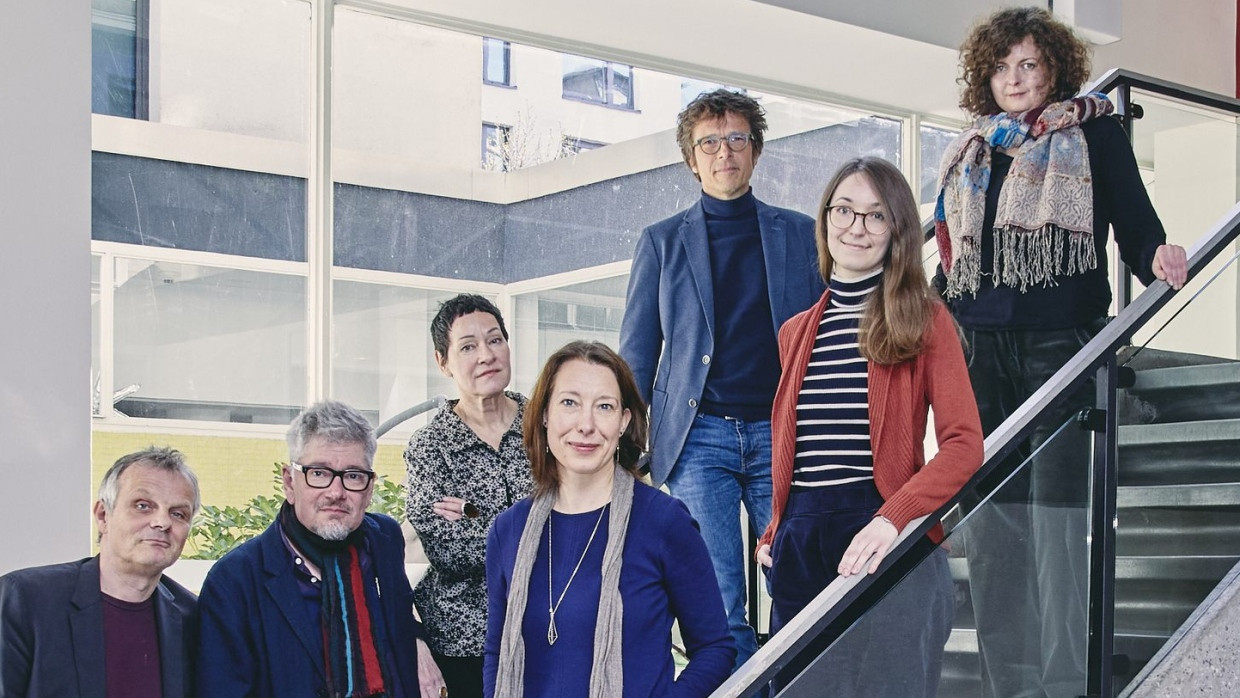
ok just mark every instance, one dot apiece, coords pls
pixel 1179 510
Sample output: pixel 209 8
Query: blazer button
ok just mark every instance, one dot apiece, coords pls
pixel 706 358
pixel 692 402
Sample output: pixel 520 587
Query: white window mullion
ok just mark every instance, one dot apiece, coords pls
pixel 319 205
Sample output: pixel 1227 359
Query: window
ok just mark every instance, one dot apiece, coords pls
pixel 691 88
pixel 580 145
pixel 118 57
pixel 495 151
pixel 496 62
pixel 600 82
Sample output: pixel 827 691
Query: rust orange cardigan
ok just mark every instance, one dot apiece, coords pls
pixel 899 397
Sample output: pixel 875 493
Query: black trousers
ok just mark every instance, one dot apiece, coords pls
pixel 463 675
pixel 895 650
pixel 1027 548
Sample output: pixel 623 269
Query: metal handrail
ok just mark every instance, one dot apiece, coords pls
pixel 832 612
pixel 436 402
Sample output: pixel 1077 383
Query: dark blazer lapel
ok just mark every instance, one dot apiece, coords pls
pixel 86 627
pixel 775 253
pixel 697 251
pixel 172 647
pixel 282 587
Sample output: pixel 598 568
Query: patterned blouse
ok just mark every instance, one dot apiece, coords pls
pixel 446 458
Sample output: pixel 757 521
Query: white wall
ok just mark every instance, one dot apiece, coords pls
pixel 45 282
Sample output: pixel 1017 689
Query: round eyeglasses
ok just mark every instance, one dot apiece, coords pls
pixel 736 142
pixel 874 222
pixel 320 477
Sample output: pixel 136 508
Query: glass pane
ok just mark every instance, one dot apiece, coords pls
pixel 934 141
pixel 209 343
pixel 547 320
pixel 235 66
pixel 96 378
pixel 116 86
pixel 419 191
pixel 1179 494
pixel 383 361
pixel 1007 591
pixel 1189 159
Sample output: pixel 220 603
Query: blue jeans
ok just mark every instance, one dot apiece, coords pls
pixel 724 462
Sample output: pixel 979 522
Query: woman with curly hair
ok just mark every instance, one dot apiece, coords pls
pixel 1026 198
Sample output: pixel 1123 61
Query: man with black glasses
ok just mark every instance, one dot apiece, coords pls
pixel 708 291
pixel 319 603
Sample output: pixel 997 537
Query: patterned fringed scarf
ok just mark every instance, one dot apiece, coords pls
pixel 607 674
pixel 351 654
pixel 1045 207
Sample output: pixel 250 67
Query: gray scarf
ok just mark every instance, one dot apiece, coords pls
pixel 607 675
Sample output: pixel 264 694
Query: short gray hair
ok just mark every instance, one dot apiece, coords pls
pixel 159 457
pixel 334 422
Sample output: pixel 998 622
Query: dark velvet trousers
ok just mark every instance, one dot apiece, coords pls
pixel 1027 548
pixel 896 649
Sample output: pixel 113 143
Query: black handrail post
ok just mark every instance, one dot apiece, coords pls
pixel 1105 473
pixel 1123 275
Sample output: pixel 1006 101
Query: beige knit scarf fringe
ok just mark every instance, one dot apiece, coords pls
pixel 607 674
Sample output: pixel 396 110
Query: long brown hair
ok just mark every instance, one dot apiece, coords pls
pixel 534 430
pixel 898 313
pixel 1065 54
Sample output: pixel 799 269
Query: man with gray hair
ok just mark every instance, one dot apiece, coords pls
pixel 110 625
pixel 318 604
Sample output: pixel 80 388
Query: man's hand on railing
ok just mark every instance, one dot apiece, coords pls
pixel 1171 265
pixel 871 543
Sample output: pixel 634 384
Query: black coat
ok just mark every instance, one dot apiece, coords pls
pixel 51 633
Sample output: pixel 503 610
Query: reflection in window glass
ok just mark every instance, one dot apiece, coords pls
pixel 383 360
pixel 547 320
pixel 209 343
pixel 496 62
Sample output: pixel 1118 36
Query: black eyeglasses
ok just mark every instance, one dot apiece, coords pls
pixel 736 142
pixel 874 222
pixel 320 477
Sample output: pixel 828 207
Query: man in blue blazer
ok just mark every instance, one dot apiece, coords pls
pixel 708 291
pixel 326 579
pixel 110 624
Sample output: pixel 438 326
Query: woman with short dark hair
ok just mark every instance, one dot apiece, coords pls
pixel 585 578
pixel 465 466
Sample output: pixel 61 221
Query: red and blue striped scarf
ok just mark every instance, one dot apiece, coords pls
pixel 350 648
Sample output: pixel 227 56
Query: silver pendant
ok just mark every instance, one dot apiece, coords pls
pixel 552 633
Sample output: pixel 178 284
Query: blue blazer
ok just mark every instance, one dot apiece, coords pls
pixel 258 637
pixel 668 332
pixel 51 633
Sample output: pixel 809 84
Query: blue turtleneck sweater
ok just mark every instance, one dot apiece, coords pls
pixel 744 370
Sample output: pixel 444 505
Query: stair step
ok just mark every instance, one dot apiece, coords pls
pixel 1206 531
pixel 1186 452
pixel 1186 496
pixel 1188 393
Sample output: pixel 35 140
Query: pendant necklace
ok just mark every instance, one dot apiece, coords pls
pixel 552 633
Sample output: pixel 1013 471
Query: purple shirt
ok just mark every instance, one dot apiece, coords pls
pixel 131 649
